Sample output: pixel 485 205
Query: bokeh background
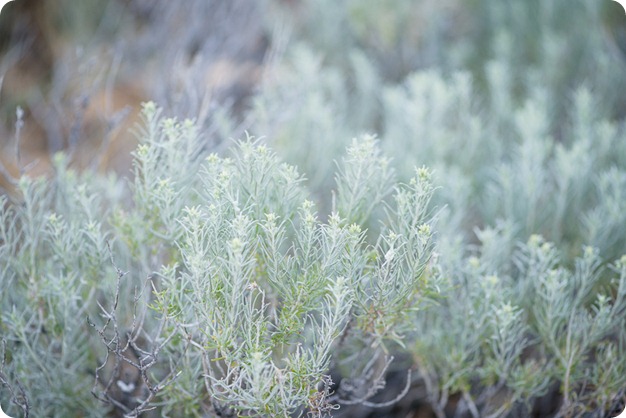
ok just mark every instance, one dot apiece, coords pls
pixel 80 70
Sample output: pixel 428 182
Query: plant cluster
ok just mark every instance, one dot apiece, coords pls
pixel 231 293
pixel 231 284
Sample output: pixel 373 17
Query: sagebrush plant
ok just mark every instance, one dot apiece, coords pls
pixel 217 289
pixel 231 285
pixel 487 107
pixel 53 272
pixel 505 335
pixel 516 116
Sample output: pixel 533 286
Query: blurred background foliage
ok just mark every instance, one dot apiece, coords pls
pixel 517 106
pixel 81 69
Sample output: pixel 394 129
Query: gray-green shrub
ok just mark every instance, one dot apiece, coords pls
pixel 242 295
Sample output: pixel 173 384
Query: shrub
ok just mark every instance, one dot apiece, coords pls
pixel 209 285
pixel 243 296
pixel 231 285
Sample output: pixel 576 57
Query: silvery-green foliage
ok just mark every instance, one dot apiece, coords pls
pixel 501 337
pixel 473 126
pixel 400 35
pixel 53 271
pixel 573 314
pixel 254 296
pixel 475 335
pixel 250 289
pixel 435 120
pixel 604 221
pixel 563 44
pixel 165 166
pixel 560 188
pixel 400 278
pixel 309 111
pixel 524 173
pixel 265 289
pixel 522 139
pixel 363 180
pixel 209 284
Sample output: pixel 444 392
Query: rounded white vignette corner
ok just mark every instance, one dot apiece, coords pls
pixel 623 4
pixel 622 415
pixel 2 414
pixel 2 4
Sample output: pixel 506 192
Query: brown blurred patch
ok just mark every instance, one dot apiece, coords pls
pixel 96 130
pixel 83 96
pixel 108 122
pixel 26 42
